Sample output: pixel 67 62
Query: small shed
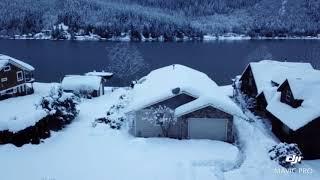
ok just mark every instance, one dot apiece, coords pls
pixel 87 86
pixel 104 75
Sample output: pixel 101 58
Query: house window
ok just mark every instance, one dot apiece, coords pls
pixel 19 76
pixel 7 68
pixel 288 95
pixel 4 79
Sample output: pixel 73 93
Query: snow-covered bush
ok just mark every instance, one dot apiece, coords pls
pixel 115 116
pixel 250 103
pixel 162 116
pixel 84 92
pixel 60 105
pixel 281 151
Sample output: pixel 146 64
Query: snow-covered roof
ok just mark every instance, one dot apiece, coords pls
pixel 307 88
pixel 158 85
pixel 81 82
pixel 266 71
pixel 101 73
pixel 304 86
pixel 4 60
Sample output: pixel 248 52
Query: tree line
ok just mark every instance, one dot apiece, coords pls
pixel 167 18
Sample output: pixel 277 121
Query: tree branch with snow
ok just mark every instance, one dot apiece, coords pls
pixel 162 116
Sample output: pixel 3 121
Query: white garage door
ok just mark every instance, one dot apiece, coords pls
pixel 207 128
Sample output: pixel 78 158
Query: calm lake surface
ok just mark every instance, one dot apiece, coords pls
pixel 221 60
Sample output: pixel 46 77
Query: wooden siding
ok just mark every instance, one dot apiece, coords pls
pixel 11 77
pixel 248 84
pixel 261 104
pixel 249 88
pixel 287 96
pixel 306 137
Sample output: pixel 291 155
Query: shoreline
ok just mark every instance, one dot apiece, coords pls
pixel 128 38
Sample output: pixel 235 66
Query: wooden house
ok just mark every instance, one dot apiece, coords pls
pixel 295 113
pixel 260 80
pixel 16 77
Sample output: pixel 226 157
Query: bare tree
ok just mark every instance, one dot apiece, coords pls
pixel 126 61
pixel 260 53
pixel 162 116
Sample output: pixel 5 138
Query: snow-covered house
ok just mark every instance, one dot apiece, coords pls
pixel 295 112
pixel 201 109
pixel 261 79
pixel 88 86
pixel 16 77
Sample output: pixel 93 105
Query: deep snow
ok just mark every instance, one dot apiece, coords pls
pixel 82 152
pixel 21 112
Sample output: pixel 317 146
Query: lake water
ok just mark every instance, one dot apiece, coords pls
pixel 221 60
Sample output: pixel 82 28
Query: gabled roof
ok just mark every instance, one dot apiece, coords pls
pixel 266 71
pixel 158 85
pixel 80 82
pixel 4 60
pixel 305 87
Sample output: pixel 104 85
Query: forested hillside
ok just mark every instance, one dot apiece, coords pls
pixel 162 18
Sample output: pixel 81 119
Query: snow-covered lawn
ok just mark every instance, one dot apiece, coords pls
pixel 21 112
pixel 82 152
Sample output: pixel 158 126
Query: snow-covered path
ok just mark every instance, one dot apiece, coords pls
pixel 255 144
pixel 82 152
pixel 255 139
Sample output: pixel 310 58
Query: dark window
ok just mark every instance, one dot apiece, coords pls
pixel 288 95
pixel 19 76
pixel 7 68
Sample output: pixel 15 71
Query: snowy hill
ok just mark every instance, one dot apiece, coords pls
pixel 169 19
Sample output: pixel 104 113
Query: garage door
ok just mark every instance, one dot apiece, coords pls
pixel 207 128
